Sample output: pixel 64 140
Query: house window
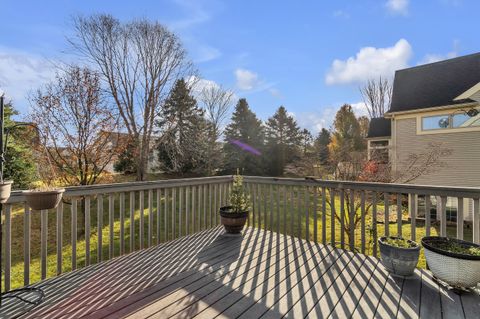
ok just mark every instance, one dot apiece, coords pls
pixel 449 121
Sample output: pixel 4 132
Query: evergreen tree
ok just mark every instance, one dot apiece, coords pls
pixel 19 160
pixel 244 132
pixel 321 146
pixel 283 139
pixel 182 146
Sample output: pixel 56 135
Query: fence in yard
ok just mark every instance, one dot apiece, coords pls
pixel 99 222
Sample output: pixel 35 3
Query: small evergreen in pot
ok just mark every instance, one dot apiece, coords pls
pixel 234 216
pixel 454 261
pixel 399 255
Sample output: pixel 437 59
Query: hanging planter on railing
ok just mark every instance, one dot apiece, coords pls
pixel 43 198
pixel 5 190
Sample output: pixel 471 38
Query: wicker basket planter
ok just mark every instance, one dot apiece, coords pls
pixel 233 222
pixel 399 260
pixel 457 270
pixel 40 200
pixel 5 190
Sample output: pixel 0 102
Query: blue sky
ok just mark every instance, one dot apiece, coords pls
pixel 310 56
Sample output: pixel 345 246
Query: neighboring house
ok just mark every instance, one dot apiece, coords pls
pixel 434 103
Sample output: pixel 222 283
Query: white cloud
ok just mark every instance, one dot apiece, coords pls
pixel 370 62
pixel 341 14
pixel 21 73
pixel 198 85
pixel 246 79
pixel 360 109
pixel 275 93
pixel 398 6
pixel 431 58
pixel 205 53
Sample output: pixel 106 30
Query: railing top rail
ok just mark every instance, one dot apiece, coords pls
pixel 74 191
pixel 452 191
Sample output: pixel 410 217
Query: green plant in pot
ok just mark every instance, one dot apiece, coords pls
pixel 399 255
pixel 453 261
pixel 234 216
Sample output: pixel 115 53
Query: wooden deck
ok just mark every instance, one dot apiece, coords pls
pixel 259 275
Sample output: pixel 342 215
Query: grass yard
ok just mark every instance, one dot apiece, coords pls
pixel 276 211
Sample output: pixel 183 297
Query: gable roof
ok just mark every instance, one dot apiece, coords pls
pixel 379 127
pixel 435 84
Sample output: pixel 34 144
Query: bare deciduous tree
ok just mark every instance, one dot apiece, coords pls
pixel 139 61
pixel 377 95
pixel 75 124
pixel 217 101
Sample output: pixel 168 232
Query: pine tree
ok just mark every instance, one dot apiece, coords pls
pixel 19 160
pixel 283 139
pixel 244 132
pixel 321 146
pixel 182 146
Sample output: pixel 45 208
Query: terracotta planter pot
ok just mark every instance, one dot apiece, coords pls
pixel 43 200
pixel 232 221
pixel 5 190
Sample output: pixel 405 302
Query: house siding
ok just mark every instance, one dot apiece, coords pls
pixel 462 167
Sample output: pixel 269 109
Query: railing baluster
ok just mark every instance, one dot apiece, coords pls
pixel 43 241
pixel 220 199
pixel 210 208
pixel 442 210
pixel 342 218
pixel 427 215
pixel 374 222
pixel 285 209
pixel 324 215
pixel 460 214
pixel 270 197
pixel 204 203
pixel 141 205
pixel 413 216
pixel 159 205
pixel 278 208
pixel 111 204
pixel 26 245
pixel 254 205
pixel 351 217
pixel 99 226
pixel 165 211
pixel 215 205
pixel 87 229
pixel 292 214
pixel 265 203
pixel 122 222
pixel 315 217
pixel 174 200
pixel 399 215
pixel 299 212
pixel 332 217
pixel 132 221
pixel 180 210
pixel 8 245
pixel 386 219
pixel 187 210
pixel 59 237
pixel 476 220
pixel 74 233
pixel 194 209
pixel 150 217
pixel 362 221
pixel 307 212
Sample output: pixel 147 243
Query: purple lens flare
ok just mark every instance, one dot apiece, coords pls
pixel 246 147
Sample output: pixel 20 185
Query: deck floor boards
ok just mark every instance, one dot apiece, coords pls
pixel 259 275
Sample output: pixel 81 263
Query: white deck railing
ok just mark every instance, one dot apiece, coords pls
pixel 144 214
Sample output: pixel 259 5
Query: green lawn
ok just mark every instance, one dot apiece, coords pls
pixel 272 204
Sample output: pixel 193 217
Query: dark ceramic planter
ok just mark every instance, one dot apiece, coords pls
pixel 232 221
pixel 399 261
pixel 5 190
pixel 41 200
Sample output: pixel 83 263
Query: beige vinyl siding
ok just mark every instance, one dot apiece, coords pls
pixel 462 166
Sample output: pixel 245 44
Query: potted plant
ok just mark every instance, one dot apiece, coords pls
pixel 234 216
pixel 454 261
pixel 399 255
pixel 45 197
pixel 5 189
